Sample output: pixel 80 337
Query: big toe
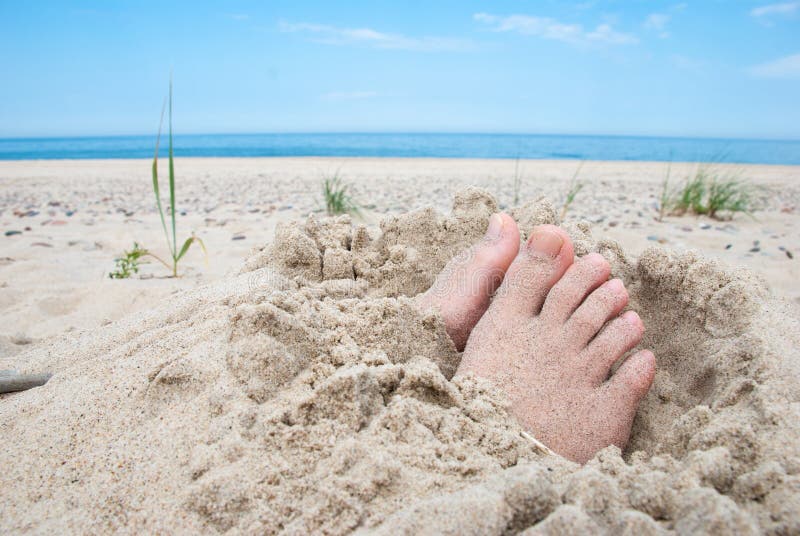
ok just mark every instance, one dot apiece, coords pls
pixel 462 291
pixel 541 262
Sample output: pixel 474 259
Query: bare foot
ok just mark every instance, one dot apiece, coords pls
pixel 549 339
pixel 462 291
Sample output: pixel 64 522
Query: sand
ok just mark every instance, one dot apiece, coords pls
pixel 301 391
pixel 53 276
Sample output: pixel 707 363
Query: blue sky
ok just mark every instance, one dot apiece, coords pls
pixel 697 68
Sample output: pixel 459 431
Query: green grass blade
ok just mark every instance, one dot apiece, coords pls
pixel 185 248
pixel 156 188
pixel 172 178
pixel 187 245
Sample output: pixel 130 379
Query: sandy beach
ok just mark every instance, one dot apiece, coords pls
pixel 255 395
pixel 76 216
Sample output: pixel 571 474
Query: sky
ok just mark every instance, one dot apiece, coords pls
pixel 709 68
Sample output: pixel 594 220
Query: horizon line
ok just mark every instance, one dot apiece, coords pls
pixel 403 132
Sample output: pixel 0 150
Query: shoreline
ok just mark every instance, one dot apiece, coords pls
pixel 12 162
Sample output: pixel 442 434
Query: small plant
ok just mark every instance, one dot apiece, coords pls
pixel 175 254
pixel 728 195
pixel 665 201
pixel 690 197
pixel 130 261
pixel 517 181
pixel 337 198
pixel 128 264
pixel 575 186
pixel 714 195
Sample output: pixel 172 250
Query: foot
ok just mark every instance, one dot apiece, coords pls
pixel 550 338
pixel 463 290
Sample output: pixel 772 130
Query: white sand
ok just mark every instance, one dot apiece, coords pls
pixel 285 399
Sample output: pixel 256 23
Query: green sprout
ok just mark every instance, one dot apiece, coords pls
pixel 574 187
pixel 175 254
pixel 337 198
pixel 128 263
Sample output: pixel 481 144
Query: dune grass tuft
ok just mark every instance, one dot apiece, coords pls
pixel 337 197
pixel 715 194
pixel 573 188
pixel 665 199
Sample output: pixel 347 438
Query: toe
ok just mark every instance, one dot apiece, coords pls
pixel 579 281
pixel 462 291
pixel 490 258
pixel 600 306
pixel 632 380
pixel 620 335
pixel 541 262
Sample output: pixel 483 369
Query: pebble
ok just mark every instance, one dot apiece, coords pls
pixel 613 223
pixel 42 244
pixel 69 213
pixel 652 238
pixel 729 246
pixel 686 229
pixel 238 237
pixel 789 254
pixel 12 233
pixel 705 226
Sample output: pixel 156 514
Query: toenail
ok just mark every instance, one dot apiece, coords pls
pixel 495 227
pixel 545 242
pixel 615 285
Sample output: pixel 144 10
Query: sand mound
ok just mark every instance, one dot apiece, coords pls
pixel 307 394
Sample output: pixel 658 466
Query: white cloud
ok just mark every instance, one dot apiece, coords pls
pixel 333 35
pixel 657 22
pixel 787 8
pixel 786 67
pixel 350 95
pixel 549 28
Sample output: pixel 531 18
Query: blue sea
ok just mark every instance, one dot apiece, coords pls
pixel 414 145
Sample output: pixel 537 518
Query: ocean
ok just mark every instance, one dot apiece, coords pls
pixel 414 145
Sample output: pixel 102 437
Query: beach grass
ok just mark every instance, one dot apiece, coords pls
pixel 713 193
pixel 574 187
pixel 128 263
pixel 172 238
pixel 337 196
